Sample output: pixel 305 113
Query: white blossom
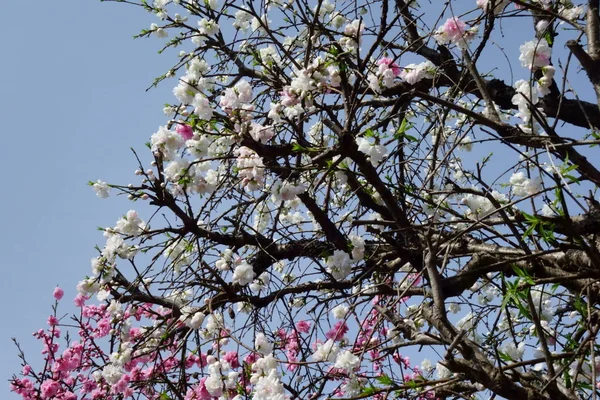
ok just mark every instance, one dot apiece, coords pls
pixel 339 311
pixel 347 361
pixel 515 352
pixel 101 189
pixel 262 344
pixel 535 54
pixel 339 265
pixel 326 351
pixel 243 274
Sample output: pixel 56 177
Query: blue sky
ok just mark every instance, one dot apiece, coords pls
pixel 72 103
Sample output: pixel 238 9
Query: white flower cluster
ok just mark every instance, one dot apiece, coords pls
pixel 525 98
pixel 414 73
pixel 101 189
pixel 237 97
pixel 221 377
pixel 523 186
pixel 243 274
pixel 192 84
pixel 353 35
pixel 167 142
pixel 535 54
pixel 326 351
pixel 131 224
pixel 515 352
pixel 486 5
pixel 375 152
pixel 480 206
pixel 286 191
pixel 265 378
pixel 339 265
pixel 191 317
pixel 543 84
pixel 251 169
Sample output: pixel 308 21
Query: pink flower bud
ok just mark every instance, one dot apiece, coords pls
pixel 185 131
pixel 58 293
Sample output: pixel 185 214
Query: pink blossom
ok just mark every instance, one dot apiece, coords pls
pixel 232 358
pixel 185 131
pixel 58 293
pixel 390 64
pixel 454 31
pixel 49 388
pixel 338 331
pixel 303 326
pixel 79 300
pixel 454 28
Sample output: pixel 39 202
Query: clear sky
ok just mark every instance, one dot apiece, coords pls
pixel 72 103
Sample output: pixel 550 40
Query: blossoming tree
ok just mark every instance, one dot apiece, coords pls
pixel 352 200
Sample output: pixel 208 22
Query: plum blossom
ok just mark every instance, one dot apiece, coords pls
pixel 414 73
pixel 347 361
pixel 202 107
pixel 112 373
pixel 340 311
pixel 481 206
pixel 193 319
pixel 101 188
pixel 260 283
pixel 166 142
pixel 524 98
pixel 499 6
pixel 326 351
pixel 358 247
pixel 131 224
pixel 523 186
pixel 541 26
pixel 185 131
pixel 243 274
pixel 158 31
pixel 269 387
pixel 353 32
pixel 442 372
pixel 544 83
pixel 375 152
pixel 58 293
pixel 208 27
pixel 454 31
pixel 515 352
pixel 302 82
pixel 571 13
pixel 236 97
pixel 251 168
pixel 286 191
pixel 261 133
pixel 535 54
pixel 242 20
pixel 386 72
pixel 339 265
pixel 262 344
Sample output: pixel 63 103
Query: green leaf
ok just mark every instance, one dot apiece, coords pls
pixel 384 380
pixel 521 273
pixel 298 148
pixel 370 133
pixel 367 391
pixel 401 132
